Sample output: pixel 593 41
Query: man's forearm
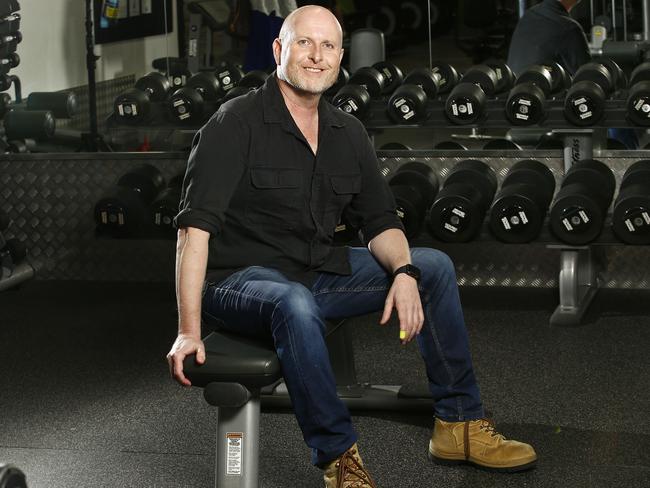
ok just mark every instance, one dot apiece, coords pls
pixel 191 263
pixel 391 249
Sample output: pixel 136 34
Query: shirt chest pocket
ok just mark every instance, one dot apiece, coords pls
pixel 342 189
pixel 275 196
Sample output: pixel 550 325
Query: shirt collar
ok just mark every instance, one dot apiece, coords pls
pixel 276 111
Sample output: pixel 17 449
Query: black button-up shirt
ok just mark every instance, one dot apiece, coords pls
pixel 545 33
pixel 256 186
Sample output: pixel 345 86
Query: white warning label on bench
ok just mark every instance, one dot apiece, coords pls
pixel 234 454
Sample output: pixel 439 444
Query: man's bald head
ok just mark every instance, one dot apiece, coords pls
pixel 308 50
pixel 312 13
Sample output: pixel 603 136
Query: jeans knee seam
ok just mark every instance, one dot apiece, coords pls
pixel 348 290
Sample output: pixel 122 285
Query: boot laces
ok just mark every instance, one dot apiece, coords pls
pixel 351 473
pixel 488 426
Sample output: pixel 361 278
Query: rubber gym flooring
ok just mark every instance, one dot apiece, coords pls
pixel 86 400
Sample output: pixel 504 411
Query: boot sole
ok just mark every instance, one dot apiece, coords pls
pixel 506 469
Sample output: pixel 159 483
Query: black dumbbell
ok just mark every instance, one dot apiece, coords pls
pixel 341 80
pixel 124 210
pixel 9 43
pixel 501 144
pixel 414 187
pixel 638 99
pixel 392 73
pixel 228 75
pixel 459 209
pixel 29 124
pixel 580 206
pixel 354 98
pixel 9 62
pixel 525 103
pixel 187 104
pixel 253 79
pixel 63 105
pixel 6 104
pixel 505 76
pixel 9 7
pixel 236 92
pixel 450 145
pixel 467 101
pixel 6 81
pixel 561 79
pixel 408 103
pixel 10 24
pixel 520 206
pixel 618 75
pixel 134 105
pixel 165 207
pixel 631 216
pixel 549 142
pixel 593 83
pixel 449 77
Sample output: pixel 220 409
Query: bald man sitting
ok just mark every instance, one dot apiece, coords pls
pixel 267 181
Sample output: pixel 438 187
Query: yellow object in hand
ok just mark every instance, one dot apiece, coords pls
pixel 402 334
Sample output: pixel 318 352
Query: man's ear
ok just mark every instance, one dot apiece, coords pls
pixel 341 56
pixel 277 51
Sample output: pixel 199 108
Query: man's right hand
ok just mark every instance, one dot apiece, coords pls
pixel 183 346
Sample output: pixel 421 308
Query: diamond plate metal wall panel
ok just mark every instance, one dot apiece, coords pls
pixel 51 200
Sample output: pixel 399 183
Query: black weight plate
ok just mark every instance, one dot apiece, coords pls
pixel 407 105
pixel 619 80
pixel 369 78
pixel 515 217
pixel 392 74
pixel 425 78
pixel 638 104
pixel 584 104
pixel 480 176
pixel 146 179
pixel 253 79
pixel 525 105
pixel 631 216
pixel 637 173
pixel 479 166
pixel 608 184
pixel 465 104
pixel 228 75
pixel 419 176
pixel 530 171
pixel 456 214
pixel 574 218
pixel 207 84
pixel 155 84
pixel 132 105
pixel 539 76
pixel 505 76
pixel 449 77
pixel 593 186
pixel 640 73
pixel 352 99
pixel 597 73
pixel 122 212
pixel 236 92
pixel 560 78
pixel 483 76
pixel 186 105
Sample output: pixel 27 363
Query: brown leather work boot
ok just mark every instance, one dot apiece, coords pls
pixel 347 471
pixel 477 442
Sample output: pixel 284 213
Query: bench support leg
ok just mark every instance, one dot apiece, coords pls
pixel 238 446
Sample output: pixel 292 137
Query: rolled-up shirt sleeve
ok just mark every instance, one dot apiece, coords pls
pixel 215 166
pixel 373 209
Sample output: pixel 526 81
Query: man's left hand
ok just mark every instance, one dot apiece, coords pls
pixel 405 297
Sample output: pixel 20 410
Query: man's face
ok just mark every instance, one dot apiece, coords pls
pixel 310 55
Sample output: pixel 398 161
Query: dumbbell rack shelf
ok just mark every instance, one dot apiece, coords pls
pixel 495 117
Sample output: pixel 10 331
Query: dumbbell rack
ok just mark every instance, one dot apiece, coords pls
pixel 495 116
pixel 581 267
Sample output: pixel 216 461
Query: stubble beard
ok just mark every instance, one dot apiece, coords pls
pixel 294 78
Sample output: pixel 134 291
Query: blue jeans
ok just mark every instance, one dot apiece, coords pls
pixel 261 302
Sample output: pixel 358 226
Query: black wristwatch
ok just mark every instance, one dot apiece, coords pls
pixel 409 269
